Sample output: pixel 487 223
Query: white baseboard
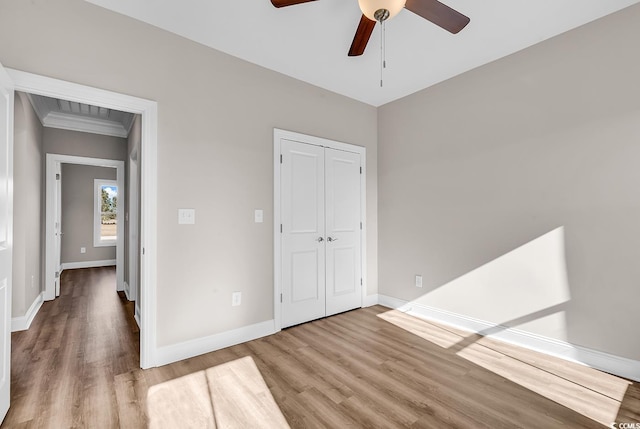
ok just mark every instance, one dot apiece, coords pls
pixel 88 264
pixel 126 291
pixel 23 323
pixel 617 365
pixel 173 353
pixel 370 300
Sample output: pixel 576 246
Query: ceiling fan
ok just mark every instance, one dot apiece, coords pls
pixel 381 10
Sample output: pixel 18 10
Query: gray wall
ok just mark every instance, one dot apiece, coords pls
pixel 65 142
pixel 28 218
pixel 215 138
pixel 514 189
pixel 78 211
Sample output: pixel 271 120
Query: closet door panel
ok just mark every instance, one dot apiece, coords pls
pixel 343 248
pixel 303 232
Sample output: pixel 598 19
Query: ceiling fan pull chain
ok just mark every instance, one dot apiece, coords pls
pixel 384 44
pixel 383 62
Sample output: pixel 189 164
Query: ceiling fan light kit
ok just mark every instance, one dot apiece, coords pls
pixel 381 10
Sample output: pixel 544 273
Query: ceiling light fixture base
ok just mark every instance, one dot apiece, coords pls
pixel 381 15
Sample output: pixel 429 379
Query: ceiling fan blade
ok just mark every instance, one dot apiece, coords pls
pixel 438 13
pixel 283 3
pixel 363 33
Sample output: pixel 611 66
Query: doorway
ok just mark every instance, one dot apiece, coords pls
pixel 319 205
pixel 54 214
pixel 49 87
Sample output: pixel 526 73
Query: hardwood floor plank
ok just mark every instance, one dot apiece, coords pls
pixel 131 393
pixel 78 366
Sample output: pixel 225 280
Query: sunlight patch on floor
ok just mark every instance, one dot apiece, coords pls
pixel 592 393
pixel 230 395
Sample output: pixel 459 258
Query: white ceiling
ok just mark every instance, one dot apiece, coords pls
pixel 310 41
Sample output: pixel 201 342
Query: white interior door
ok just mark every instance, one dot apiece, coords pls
pixel 6 234
pixel 58 226
pixel 303 234
pixel 320 193
pixel 133 227
pixel 343 253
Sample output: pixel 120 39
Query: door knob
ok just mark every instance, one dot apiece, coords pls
pixel 331 239
pixel 320 239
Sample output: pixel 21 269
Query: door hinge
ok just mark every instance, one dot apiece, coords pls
pixel 280 158
pixel 57 274
pixel 57 176
pixel 360 170
pixel 280 228
pixel 280 297
pixel 360 282
pixel 143 250
pixel 361 225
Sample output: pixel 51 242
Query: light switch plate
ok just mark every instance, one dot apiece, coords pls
pixel 186 216
pixel 236 299
pixel 418 280
pixel 259 216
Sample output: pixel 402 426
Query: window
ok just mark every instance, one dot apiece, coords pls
pixel 105 212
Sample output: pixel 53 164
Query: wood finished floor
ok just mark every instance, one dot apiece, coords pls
pixel 78 367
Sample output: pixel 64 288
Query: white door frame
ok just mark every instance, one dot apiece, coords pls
pixel 278 135
pixel 41 85
pixel 6 241
pixel 53 163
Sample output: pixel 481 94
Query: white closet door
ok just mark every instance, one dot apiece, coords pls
pixel 343 253
pixel 302 216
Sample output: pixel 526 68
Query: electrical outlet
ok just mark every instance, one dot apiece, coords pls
pixel 236 299
pixel 83 250
pixel 418 280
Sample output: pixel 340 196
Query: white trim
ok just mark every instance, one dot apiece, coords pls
pixel 127 290
pixel 88 264
pixel 199 346
pixel 621 366
pixel 133 208
pixel 370 300
pixel 277 244
pixel 278 135
pixel 23 323
pixel 85 125
pixel 55 88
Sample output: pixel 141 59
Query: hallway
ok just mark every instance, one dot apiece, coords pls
pixel 65 368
